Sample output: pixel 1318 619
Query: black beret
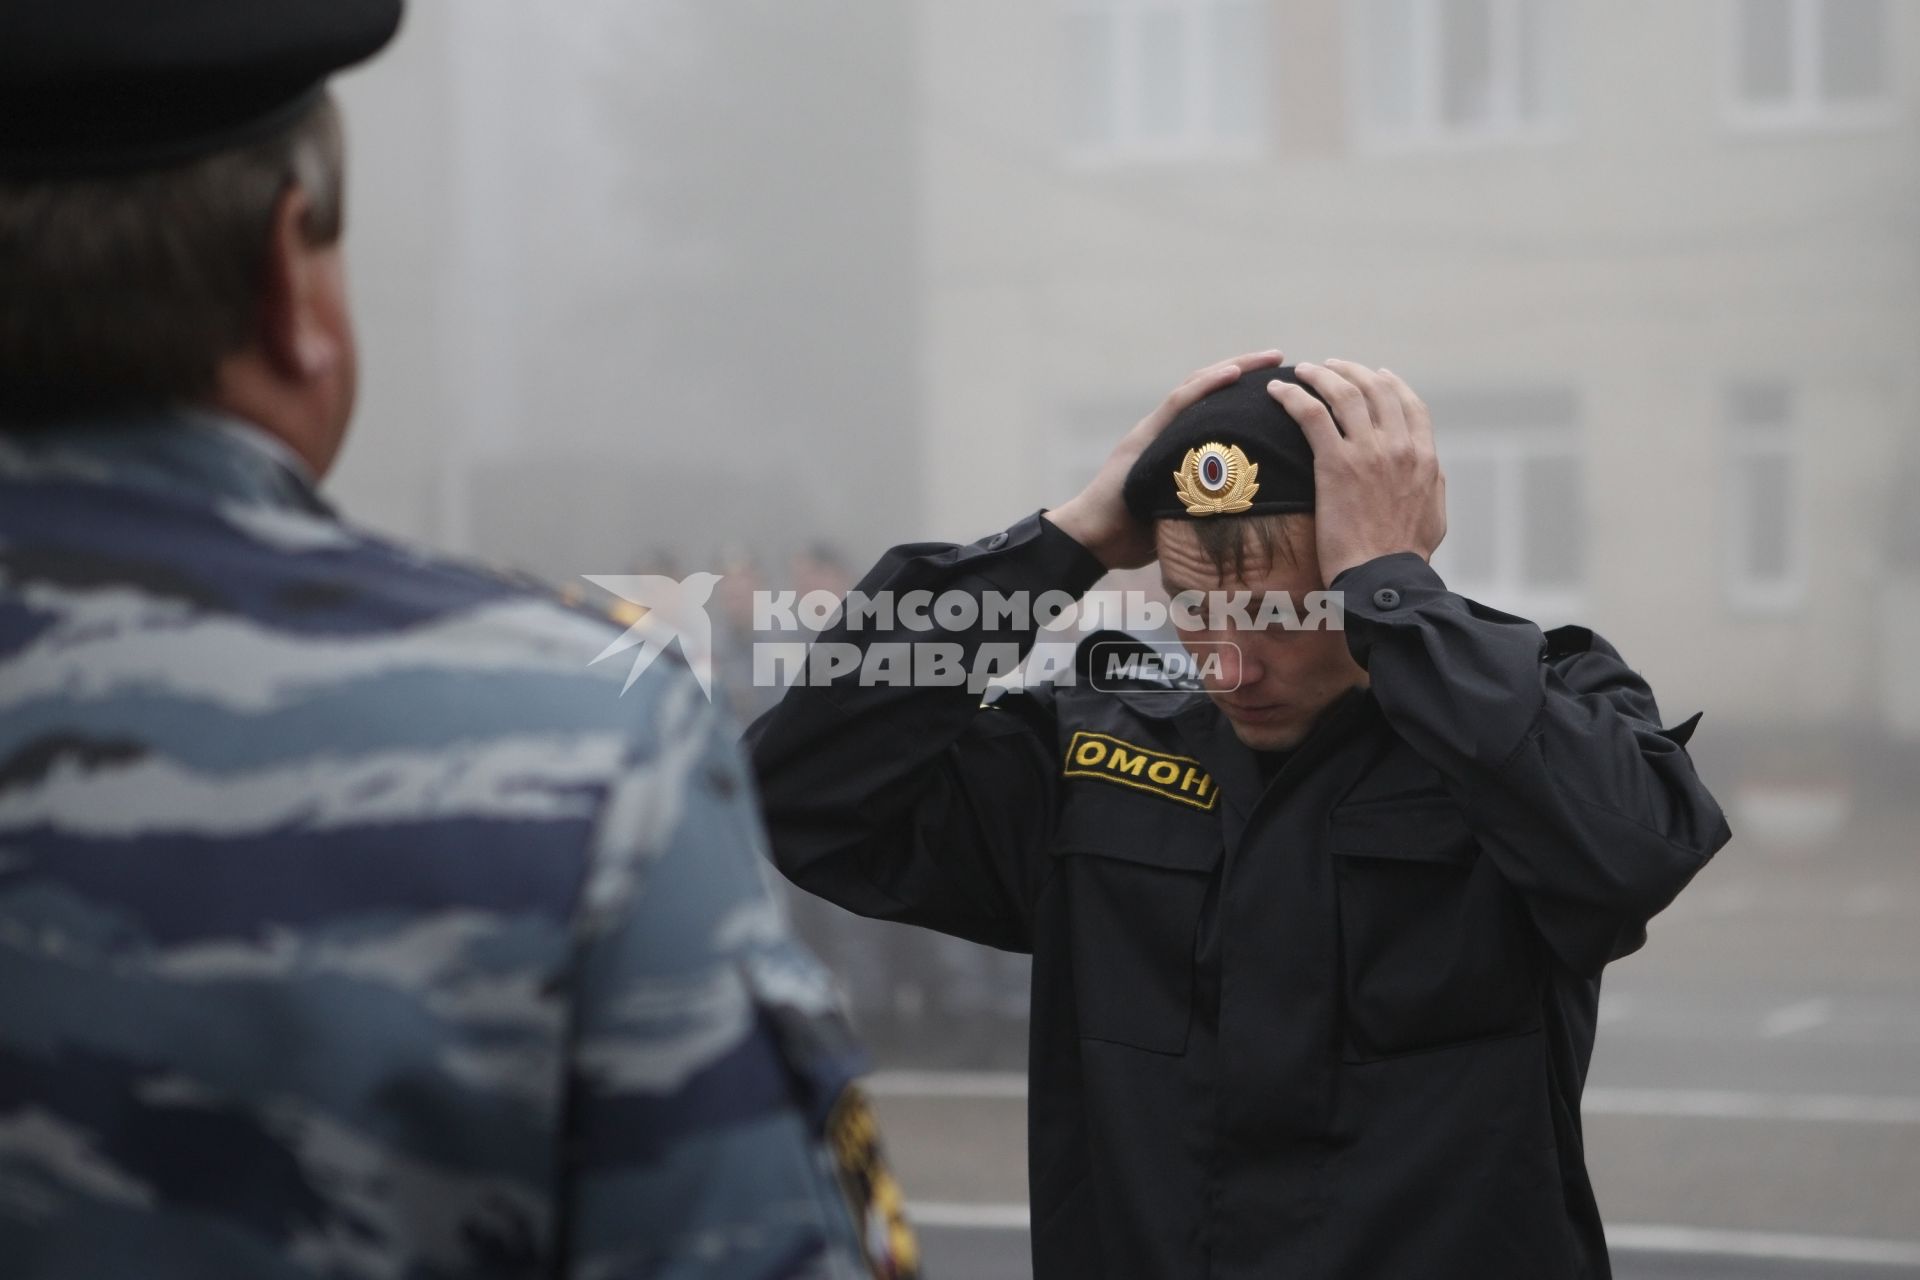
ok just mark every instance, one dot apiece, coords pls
pixel 105 87
pixel 1237 452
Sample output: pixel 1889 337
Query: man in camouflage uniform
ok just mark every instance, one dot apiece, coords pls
pixel 349 924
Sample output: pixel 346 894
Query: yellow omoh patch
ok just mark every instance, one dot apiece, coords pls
pixel 1102 756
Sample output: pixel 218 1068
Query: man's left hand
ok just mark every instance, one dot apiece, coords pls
pixel 1378 487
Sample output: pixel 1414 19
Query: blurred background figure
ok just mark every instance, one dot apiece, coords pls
pixel 906 270
pixel 734 636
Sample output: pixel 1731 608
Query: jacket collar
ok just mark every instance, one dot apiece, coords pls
pixel 1209 736
pixel 195 455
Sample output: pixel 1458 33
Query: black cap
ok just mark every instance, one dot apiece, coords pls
pixel 96 88
pixel 1237 452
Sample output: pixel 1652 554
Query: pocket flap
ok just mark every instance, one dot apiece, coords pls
pixel 1170 854
pixel 1422 829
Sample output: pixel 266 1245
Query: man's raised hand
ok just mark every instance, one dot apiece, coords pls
pixel 1097 517
pixel 1378 487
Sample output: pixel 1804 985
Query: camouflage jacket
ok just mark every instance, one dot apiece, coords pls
pixel 350 926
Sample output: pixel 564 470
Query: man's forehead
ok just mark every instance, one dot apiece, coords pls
pixel 1280 560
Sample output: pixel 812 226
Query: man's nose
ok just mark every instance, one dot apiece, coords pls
pixel 1226 665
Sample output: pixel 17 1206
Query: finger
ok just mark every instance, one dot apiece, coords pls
pixel 1383 402
pixel 1413 409
pixel 1202 383
pixel 1259 359
pixel 1205 382
pixel 1199 387
pixel 1252 360
pixel 1315 422
pixel 1350 410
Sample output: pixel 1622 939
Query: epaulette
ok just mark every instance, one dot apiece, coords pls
pixel 575 599
pixel 623 612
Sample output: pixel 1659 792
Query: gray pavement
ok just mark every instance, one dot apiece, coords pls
pixel 1002 1255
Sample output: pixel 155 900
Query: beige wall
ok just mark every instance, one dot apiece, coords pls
pixel 1647 257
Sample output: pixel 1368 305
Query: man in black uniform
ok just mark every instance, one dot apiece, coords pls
pixel 1317 951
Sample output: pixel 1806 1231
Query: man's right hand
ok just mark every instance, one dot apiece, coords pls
pixel 1097 517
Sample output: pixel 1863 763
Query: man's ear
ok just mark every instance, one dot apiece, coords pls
pixel 294 333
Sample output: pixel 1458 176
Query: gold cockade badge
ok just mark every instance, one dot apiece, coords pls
pixel 1217 480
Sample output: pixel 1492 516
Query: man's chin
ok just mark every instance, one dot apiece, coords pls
pixel 1266 736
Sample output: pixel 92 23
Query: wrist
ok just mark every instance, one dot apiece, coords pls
pixel 1094 536
pixel 1358 558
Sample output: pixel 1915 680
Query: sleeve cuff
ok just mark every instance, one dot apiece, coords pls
pixel 1036 554
pixel 1383 592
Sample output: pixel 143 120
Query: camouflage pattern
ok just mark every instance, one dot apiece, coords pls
pixel 351 926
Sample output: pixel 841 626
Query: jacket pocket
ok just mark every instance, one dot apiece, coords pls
pixel 1134 901
pixel 1435 948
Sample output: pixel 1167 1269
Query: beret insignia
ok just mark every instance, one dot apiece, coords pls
pixel 1217 480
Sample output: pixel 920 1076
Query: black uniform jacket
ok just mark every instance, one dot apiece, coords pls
pixel 1332 1028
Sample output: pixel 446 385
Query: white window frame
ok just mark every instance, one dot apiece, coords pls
pixel 1806 109
pixel 1744 440
pixel 1125 142
pixel 1428 131
pixel 1509 448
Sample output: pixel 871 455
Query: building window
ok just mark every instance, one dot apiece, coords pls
pixel 1516 501
pixel 1764 543
pixel 1434 72
pixel 1165 78
pixel 1810 62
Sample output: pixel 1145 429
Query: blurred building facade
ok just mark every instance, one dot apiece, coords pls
pixel 637 281
pixel 1654 265
pixel 749 285
pixel 677 280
